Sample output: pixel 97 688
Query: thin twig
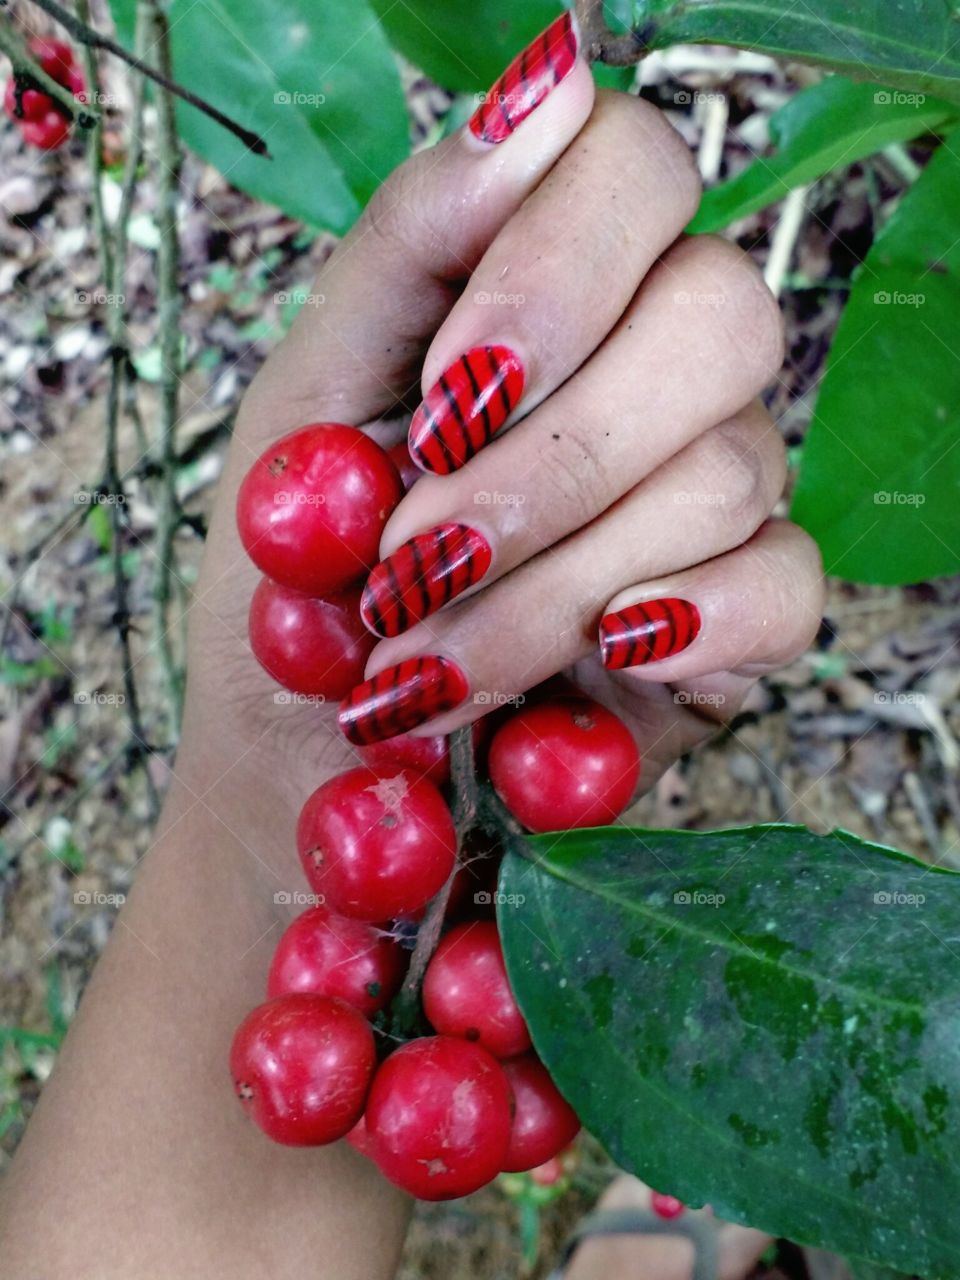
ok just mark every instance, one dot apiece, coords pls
pixel 28 74
pixel 86 35
pixel 600 44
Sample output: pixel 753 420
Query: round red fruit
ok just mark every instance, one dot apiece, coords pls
pixel 408 470
pixel 439 1115
pixel 360 1139
pixel 466 992
pixel 376 844
pixel 563 763
pixel 35 104
pixel 665 1206
pixel 429 756
pixel 315 647
pixel 312 507
pixel 47 133
pixel 544 1123
pixel 301 1067
pixel 332 956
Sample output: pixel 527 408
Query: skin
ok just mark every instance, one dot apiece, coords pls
pixel 138 1160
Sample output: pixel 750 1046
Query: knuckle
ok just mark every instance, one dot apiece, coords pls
pixel 789 560
pixel 746 462
pixel 620 118
pixel 574 475
pixel 750 314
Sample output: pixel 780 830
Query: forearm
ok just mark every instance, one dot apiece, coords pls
pixel 138 1160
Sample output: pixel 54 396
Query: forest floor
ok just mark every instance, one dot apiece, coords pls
pixel 861 732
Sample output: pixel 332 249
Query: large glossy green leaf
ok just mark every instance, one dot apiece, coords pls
pixel 762 1019
pixel 910 43
pixel 834 123
pixel 879 483
pixel 318 82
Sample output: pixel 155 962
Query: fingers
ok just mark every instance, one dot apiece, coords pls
pixel 356 347
pixel 544 293
pixel 665 374
pixel 544 616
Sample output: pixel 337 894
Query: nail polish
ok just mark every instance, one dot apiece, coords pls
pixel 527 81
pixel 647 632
pixel 422 576
pixel 465 408
pixel 401 698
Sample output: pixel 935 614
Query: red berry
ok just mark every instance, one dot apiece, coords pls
pixel 428 756
pixel 567 762
pixel 376 844
pixel 466 992
pixel 333 956
pixel 439 1114
pixel 48 133
pixel 301 1067
pixel 312 507
pixel 315 647
pixel 665 1206
pixel 547 1174
pixel 407 469
pixel 35 104
pixel 543 1121
pixel 359 1138
pixel 55 56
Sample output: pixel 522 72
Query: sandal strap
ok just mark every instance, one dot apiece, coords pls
pixel 617 1222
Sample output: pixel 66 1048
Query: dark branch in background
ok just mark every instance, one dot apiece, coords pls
pixel 600 44
pixel 28 74
pixel 86 35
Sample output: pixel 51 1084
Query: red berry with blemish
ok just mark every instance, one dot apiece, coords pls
pixel 333 956
pixel 665 1206
pixel 311 509
pixel 564 763
pixel 376 844
pixel 301 1067
pixel 439 1116
pixel 314 647
pixel 466 992
pixel 543 1123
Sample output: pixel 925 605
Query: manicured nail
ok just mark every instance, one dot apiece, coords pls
pixel 647 632
pixel 465 408
pixel 402 697
pixel 422 576
pixel 526 82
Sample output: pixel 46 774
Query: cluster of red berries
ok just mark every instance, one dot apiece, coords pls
pixel 443 1114
pixel 42 121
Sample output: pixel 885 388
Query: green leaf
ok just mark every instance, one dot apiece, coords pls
pixel 914 44
pixel 319 84
pixel 831 124
pixel 463 44
pixel 763 1019
pixel 880 478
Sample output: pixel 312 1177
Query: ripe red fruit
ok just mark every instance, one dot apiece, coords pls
pixel 315 647
pixel 332 956
pixel 42 122
pixel 376 844
pixel 35 104
pixel 665 1206
pixel 312 507
pixel 566 762
pixel 466 992
pixel 48 133
pixel 439 1114
pixel 57 59
pixel 301 1067
pixel 360 1139
pixel 428 756
pixel 544 1123
pixel 408 470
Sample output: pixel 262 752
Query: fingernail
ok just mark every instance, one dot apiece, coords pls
pixel 464 409
pixel 402 697
pixel 647 632
pixel 422 576
pixel 526 82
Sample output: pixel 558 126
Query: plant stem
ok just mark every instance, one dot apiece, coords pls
pixel 600 44
pixel 29 74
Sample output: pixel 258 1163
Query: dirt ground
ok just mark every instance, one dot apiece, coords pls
pixel 861 732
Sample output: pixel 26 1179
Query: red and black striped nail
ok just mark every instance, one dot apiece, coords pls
pixel 402 697
pixel 647 632
pixel 526 82
pixel 422 576
pixel 465 408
